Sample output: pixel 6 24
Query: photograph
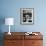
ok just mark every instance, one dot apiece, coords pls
pixel 27 15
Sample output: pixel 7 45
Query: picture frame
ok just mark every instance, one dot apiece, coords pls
pixel 26 15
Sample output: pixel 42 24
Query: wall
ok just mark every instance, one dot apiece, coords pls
pixel 11 8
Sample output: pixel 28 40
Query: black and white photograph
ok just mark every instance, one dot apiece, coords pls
pixel 27 15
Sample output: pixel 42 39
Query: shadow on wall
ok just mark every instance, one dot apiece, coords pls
pixel 2 21
pixel 1 39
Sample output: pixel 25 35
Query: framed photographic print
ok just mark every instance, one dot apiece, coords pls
pixel 26 15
